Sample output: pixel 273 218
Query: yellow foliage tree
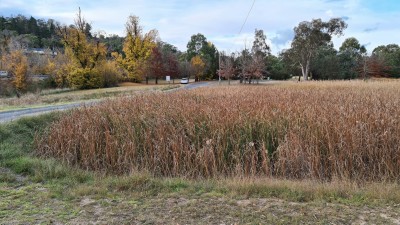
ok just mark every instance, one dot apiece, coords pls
pixel 17 65
pixel 59 68
pixel 137 49
pixel 198 67
pixel 85 54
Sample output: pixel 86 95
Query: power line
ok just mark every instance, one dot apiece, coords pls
pixel 248 14
pixel 244 23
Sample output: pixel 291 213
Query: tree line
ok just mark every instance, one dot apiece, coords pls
pixel 74 56
pixel 83 59
pixel 35 33
pixel 313 53
pixel 313 56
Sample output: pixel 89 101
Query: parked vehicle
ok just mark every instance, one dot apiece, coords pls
pixel 184 81
pixel 3 73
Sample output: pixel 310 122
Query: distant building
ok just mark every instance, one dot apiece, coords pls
pixel 40 51
pixel 39 76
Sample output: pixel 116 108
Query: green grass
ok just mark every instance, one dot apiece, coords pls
pixel 16 153
pixel 36 190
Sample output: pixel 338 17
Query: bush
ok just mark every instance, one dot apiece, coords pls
pixel 85 78
pixel 6 88
pixel 110 73
pixel 279 75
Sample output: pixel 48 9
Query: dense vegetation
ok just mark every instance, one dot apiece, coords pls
pixel 35 33
pixel 323 131
pixel 74 56
pixel 36 190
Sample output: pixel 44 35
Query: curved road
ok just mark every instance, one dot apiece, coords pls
pixel 16 114
pixel 197 85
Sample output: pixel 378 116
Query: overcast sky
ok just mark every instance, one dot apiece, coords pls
pixel 372 22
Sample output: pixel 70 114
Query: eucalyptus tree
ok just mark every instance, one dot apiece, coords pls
pixel 325 65
pixel 309 37
pixel 351 54
pixel 260 46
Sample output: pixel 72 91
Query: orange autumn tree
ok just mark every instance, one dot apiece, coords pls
pixel 372 66
pixel 227 67
pixel 17 65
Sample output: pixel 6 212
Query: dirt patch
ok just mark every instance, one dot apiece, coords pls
pixel 34 204
pixel 9 175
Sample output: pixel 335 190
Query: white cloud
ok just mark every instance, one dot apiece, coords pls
pixel 329 13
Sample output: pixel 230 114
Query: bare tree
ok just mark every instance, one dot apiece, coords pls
pixel 257 67
pixel 227 66
pixel 252 66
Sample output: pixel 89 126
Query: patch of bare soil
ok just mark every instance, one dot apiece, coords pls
pixel 209 210
pixel 28 203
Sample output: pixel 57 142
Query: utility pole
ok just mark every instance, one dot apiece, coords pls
pixel 219 68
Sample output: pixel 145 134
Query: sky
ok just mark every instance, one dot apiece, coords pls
pixel 372 22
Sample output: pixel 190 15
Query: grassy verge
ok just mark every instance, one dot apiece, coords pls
pixel 63 96
pixel 34 190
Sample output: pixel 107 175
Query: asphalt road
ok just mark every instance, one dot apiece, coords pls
pixel 16 114
pixel 197 85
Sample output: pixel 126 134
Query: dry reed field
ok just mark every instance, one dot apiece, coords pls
pixel 314 130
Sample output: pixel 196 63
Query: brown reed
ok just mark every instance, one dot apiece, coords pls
pixel 316 130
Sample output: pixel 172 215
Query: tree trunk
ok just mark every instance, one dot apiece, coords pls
pixel 18 94
pixel 304 71
pixel 147 80
pixel 156 80
pixel 307 69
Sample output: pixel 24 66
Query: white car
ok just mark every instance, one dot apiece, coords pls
pixel 184 81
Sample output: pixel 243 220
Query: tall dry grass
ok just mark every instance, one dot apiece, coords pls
pixel 315 130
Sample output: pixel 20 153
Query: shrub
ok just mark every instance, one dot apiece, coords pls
pixel 6 88
pixel 85 78
pixel 110 73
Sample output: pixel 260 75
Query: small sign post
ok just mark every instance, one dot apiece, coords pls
pixel 168 78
